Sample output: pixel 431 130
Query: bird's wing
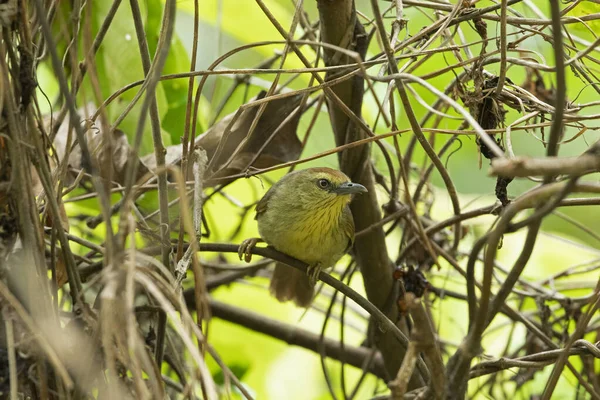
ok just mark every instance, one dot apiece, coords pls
pixel 261 207
pixel 348 226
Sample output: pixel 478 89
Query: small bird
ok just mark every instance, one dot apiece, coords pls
pixel 305 215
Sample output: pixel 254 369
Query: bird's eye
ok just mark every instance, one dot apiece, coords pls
pixel 323 183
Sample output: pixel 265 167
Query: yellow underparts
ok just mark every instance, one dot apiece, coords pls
pixel 321 223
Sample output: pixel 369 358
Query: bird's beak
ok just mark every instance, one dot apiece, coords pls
pixel 349 188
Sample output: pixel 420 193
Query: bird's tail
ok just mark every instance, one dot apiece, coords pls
pixel 288 283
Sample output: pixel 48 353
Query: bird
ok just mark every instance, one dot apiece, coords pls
pixel 305 215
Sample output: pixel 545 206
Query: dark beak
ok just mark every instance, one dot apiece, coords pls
pixel 349 188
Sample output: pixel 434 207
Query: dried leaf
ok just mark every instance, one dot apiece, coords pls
pixel 98 145
pixel 283 146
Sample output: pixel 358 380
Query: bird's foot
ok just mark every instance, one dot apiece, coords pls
pixel 245 249
pixel 313 272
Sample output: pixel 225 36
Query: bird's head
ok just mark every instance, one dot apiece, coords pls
pixel 321 187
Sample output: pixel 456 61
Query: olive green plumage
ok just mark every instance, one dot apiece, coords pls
pixel 306 215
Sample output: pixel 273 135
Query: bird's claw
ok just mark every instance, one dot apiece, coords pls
pixel 313 272
pixel 245 249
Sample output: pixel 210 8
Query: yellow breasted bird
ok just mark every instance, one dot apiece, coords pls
pixel 305 215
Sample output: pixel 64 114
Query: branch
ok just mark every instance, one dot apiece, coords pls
pixel 538 360
pixel 556 130
pixel 359 357
pixel 422 340
pixel 549 166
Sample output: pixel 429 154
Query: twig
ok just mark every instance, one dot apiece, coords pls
pixel 556 130
pixel 423 339
pixel 200 163
pixel 12 358
pixel 503 47
pixel 538 360
pixel 586 163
